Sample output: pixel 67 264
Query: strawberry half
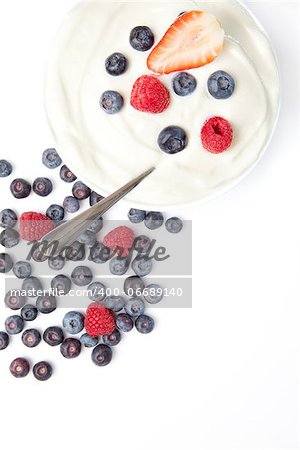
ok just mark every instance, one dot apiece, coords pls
pixel 194 40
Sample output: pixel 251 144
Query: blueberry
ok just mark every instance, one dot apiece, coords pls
pixel 51 158
pixel 101 355
pixel 116 64
pixel 112 339
pixel 141 38
pixel 66 174
pixel 154 220
pixel 87 238
pixel 31 338
pixel 141 265
pixel 221 85
pixel 9 238
pixel 46 304
pixel 153 294
pixel 80 190
pixel 142 244
pixel 73 322
pixel 14 301
pixel 20 188
pixel 61 284
pixel 6 263
pixel 88 341
pixel 71 204
pixel 95 225
pixel 119 265
pixel 42 371
pixel 136 215
pixel 96 291
pixel 75 252
pixel 135 307
pixel 144 324
pixel 42 186
pixel 31 286
pixel 29 313
pixel 39 255
pixel 4 340
pixel 81 276
pixel 111 102
pixel 114 302
pixel 70 348
pixel 133 286
pixel 56 213
pixel 53 336
pixel 14 324
pixel 5 168
pixel 19 367
pixel 95 198
pixel 172 140
pixel 22 269
pixel 184 84
pixel 124 322
pixel 99 254
pixel 56 262
pixel 174 225
pixel 8 218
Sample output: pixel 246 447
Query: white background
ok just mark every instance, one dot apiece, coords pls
pixel 221 375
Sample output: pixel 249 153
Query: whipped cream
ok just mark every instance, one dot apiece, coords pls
pixel 107 151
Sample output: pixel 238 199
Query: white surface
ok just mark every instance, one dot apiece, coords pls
pixel 109 150
pixel 221 375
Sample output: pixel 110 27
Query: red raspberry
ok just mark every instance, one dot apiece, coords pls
pixel 149 95
pixel 99 320
pixel 216 135
pixel 33 226
pixel 120 240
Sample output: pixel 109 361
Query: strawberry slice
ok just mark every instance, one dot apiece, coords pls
pixel 194 40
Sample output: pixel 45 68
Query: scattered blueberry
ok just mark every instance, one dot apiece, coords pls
pixel 73 322
pixel 71 204
pixel 112 339
pixel 111 102
pixel 56 213
pixel 153 294
pixel 39 255
pixel 5 168
pixel 184 84
pixel 53 336
pixel 51 158
pixel 80 190
pixel 101 355
pixel 133 286
pixel 221 85
pixel 20 188
pixel 46 304
pixel 141 38
pixel 75 252
pixel 142 244
pixel 81 276
pixel 119 265
pixel 42 186
pixel 31 338
pixel 174 225
pixel 29 313
pixel 124 322
pixel 87 238
pixel 154 220
pixel 96 225
pixel 61 284
pixel 88 341
pixel 136 215
pixel 9 238
pixel 114 302
pixel 116 64
pixel 8 218
pixel 31 286
pixel 14 324
pixel 70 348
pixel 19 367
pixel 141 265
pixel 4 340
pixel 95 198
pixel 144 324
pixel 22 269
pixel 6 263
pixel 172 140
pixel 56 262
pixel 135 307
pixel 42 371
pixel 66 174
pixel 96 291
pixel 14 301
pixel 99 254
